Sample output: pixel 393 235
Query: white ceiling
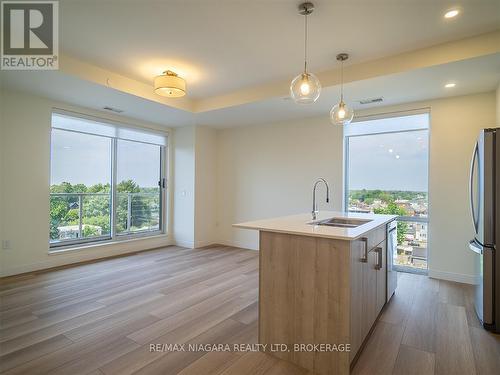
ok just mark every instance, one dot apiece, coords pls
pixel 225 45
pixel 66 88
pixel 471 76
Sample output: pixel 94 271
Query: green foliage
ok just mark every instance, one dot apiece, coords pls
pixel 90 231
pixel 385 196
pixel 389 197
pixel 71 216
pixel 65 210
pixel 127 186
pixel 99 188
pixel 393 209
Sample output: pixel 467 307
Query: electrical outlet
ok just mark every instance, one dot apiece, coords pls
pixel 6 245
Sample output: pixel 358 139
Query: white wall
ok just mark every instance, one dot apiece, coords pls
pixel 184 185
pixel 205 182
pixel 498 104
pixel 24 187
pixel 268 170
pixel 195 186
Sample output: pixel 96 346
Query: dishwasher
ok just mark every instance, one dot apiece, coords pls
pixel 392 244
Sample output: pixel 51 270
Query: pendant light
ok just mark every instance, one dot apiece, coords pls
pixel 305 88
pixel 169 84
pixel 341 113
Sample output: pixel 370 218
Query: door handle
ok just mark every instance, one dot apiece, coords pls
pixel 378 266
pixel 475 247
pixel 475 155
pixel 364 258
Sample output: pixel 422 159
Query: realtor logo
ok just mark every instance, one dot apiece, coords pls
pixel 30 35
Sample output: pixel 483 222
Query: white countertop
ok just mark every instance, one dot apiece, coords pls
pixel 299 224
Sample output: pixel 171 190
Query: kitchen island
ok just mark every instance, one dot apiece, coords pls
pixel 322 284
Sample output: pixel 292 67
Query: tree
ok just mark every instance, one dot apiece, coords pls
pixel 393 209
pixel 64 209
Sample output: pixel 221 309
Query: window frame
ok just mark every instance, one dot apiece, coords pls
pixel 113 235
pixel 345 172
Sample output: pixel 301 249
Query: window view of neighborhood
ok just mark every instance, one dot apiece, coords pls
pixel 387 173
pixel 78 211
pixel 81 191
pixel 412 235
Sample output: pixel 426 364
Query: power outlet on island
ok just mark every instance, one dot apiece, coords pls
pixel 6 245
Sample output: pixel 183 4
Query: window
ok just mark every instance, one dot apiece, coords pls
pixel 106 182
pixel 386 172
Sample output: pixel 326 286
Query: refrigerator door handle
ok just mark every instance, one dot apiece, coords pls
pixel 475 247
pixel 471 188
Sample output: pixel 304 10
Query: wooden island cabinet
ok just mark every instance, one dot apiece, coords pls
pixel 321 288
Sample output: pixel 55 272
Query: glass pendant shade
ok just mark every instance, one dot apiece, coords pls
pixel 305 88
pixel 341 114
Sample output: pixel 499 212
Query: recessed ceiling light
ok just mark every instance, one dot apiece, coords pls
pixel 450 85
pixel 451 13
pixel 397 156
pixel 390 150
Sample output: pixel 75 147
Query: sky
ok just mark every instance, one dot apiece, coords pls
pixel 392 161
pixel 81 158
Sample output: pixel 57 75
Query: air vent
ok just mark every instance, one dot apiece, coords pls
pixel 116 110
pixel 371 100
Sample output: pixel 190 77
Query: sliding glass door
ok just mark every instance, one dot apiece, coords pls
pixel 80 187
pixel 107 182
pixel 138 192
pixel 386 172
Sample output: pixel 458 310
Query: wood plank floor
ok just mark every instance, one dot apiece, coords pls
pixel 102 317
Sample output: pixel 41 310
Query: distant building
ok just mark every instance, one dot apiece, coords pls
pixel 68 232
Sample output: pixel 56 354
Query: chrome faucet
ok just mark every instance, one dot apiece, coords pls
pixel 315 208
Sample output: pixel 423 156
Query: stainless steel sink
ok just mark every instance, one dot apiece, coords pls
pixel 341 222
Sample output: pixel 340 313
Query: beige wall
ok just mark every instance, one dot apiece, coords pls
pixel 232 175
pixel 24 187
pixel 268 170
pixel 205 187
pixel 194 186
pixel 498 104
pixel 184 185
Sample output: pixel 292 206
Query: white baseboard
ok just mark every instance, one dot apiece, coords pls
pixel 240 244
pixel 450 276
pixel 204 243
pixel 185 243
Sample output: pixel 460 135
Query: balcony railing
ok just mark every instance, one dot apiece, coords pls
pixel 83 217
pixel 412 249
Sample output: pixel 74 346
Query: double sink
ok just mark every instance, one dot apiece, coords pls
pixel 340 222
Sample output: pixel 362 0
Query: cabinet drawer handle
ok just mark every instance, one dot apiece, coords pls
pixel 378 266
pixel 364 258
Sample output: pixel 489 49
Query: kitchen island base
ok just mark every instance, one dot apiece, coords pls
pixel 319 297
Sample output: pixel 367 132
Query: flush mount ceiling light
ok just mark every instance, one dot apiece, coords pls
pixel 341 113
pixel 305 88
pixel 452 13
pixel 450 85
pixel 169 84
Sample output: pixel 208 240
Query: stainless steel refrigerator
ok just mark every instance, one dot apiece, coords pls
pixel 484 187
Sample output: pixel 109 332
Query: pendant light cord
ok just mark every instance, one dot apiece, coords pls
pixel 305 44
pixel 342 81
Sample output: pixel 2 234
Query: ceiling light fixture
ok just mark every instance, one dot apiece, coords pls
pixel 170 84
pixel 305 88
pixel 451 13
pixel 341 113
pixel 450 85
